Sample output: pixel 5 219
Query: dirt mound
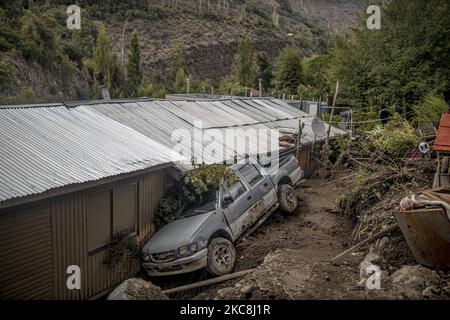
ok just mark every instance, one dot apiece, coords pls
pixel 137 289
pixel 292 256
pixel 417 282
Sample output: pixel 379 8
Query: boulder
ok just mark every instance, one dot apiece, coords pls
pixel 411 282
pixel 137 289
pixel 415 277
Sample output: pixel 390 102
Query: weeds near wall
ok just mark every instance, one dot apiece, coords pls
pixel 122 250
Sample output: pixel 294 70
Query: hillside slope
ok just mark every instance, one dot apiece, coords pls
pixel 212 36
pixel 210 30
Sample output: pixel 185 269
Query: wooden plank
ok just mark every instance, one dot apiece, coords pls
pixel 209 281
pixel 368 240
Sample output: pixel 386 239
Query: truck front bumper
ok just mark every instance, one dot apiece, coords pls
pixel 183 265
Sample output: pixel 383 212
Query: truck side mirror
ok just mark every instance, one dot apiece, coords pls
pixel 266 164
pixel 227 200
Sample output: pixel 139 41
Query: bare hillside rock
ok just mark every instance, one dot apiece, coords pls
pixel 212 36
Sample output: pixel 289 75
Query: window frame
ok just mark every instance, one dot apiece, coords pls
pixel 110 189
pixel 260 176
pixel 98 248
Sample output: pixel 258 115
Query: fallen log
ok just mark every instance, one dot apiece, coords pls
pixel 209 281
pixel 368 240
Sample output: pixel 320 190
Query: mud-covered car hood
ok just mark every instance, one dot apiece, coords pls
pixel 176 234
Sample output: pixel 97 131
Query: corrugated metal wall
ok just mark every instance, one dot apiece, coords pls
pixel 38 243
pixel 304 159
pixel 69 220
pixel 26 253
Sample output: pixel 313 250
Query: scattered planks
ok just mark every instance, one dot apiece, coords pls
pixel 209 281
pixel 368 240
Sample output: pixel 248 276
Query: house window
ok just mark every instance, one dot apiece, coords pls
pixel 125 209
pixel 110 212
pixel 99 220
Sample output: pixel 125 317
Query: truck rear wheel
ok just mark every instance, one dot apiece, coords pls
pixel 221 256
pixel 287 198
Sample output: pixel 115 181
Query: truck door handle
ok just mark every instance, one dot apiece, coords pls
pixel 249 198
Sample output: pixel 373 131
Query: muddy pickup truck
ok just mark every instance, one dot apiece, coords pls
pixel 205 236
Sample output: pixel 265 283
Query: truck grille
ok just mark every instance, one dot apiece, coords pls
pixel 163 256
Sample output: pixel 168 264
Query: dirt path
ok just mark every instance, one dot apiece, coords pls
pixel 300 247
pixel 292 254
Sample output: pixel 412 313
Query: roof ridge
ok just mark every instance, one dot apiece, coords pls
pixel 32 105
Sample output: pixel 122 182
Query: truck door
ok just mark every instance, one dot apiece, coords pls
pixel 242 202
pixel 261 186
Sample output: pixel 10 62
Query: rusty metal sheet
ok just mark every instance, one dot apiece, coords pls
pixel 442 143
pixel 427 233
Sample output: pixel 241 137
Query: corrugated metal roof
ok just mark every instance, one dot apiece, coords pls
pixel 43 148
pixel 442 143
pixel 160 119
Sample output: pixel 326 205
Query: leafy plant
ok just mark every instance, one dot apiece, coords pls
pixel 122 249
pixel 392 140
pixel 133 67
pixel 197 187
pixel 430 110
pixel 244 69
pixel 288 70
pixel 264 70
pixel 179 69
pixel 7 73
pixel 369 187
pixel 340 150
pixel 230 86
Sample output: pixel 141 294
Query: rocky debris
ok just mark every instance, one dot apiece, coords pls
pixel 289 274
pixel 268 281
pixel 416 282
pixel 396 254
pixel 137 289
pixel 307 241
pixel 371 262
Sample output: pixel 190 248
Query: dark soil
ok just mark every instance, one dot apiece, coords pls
pixel 292 254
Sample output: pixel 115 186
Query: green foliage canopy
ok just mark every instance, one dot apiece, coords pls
pixel 134 68
pixel 288 70
pixel 244 68
pixel 264 70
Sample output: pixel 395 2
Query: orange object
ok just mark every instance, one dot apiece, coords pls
pixel 442 143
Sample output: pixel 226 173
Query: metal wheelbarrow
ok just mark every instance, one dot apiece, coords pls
pixel 427 232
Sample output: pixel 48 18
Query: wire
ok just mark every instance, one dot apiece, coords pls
pixel 372 120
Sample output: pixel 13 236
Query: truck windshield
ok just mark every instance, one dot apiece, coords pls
pixel 206 205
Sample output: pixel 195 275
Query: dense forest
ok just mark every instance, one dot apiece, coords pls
pixel 402 67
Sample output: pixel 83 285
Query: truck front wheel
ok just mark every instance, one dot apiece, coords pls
pixel 287 198
pixel 221 256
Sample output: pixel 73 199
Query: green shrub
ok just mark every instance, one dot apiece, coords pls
pixel 230 86
pixel 150 91
pixel 335 121
pixel 7 73
pixel 26 95
pixel 8 37
pixel 122 250
pixel 197 188
pixel 430 110
pixel 39 41
pixel 369 187
pixel 393 140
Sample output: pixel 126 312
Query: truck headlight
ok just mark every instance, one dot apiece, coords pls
pixel 146 257
pixel 187 250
